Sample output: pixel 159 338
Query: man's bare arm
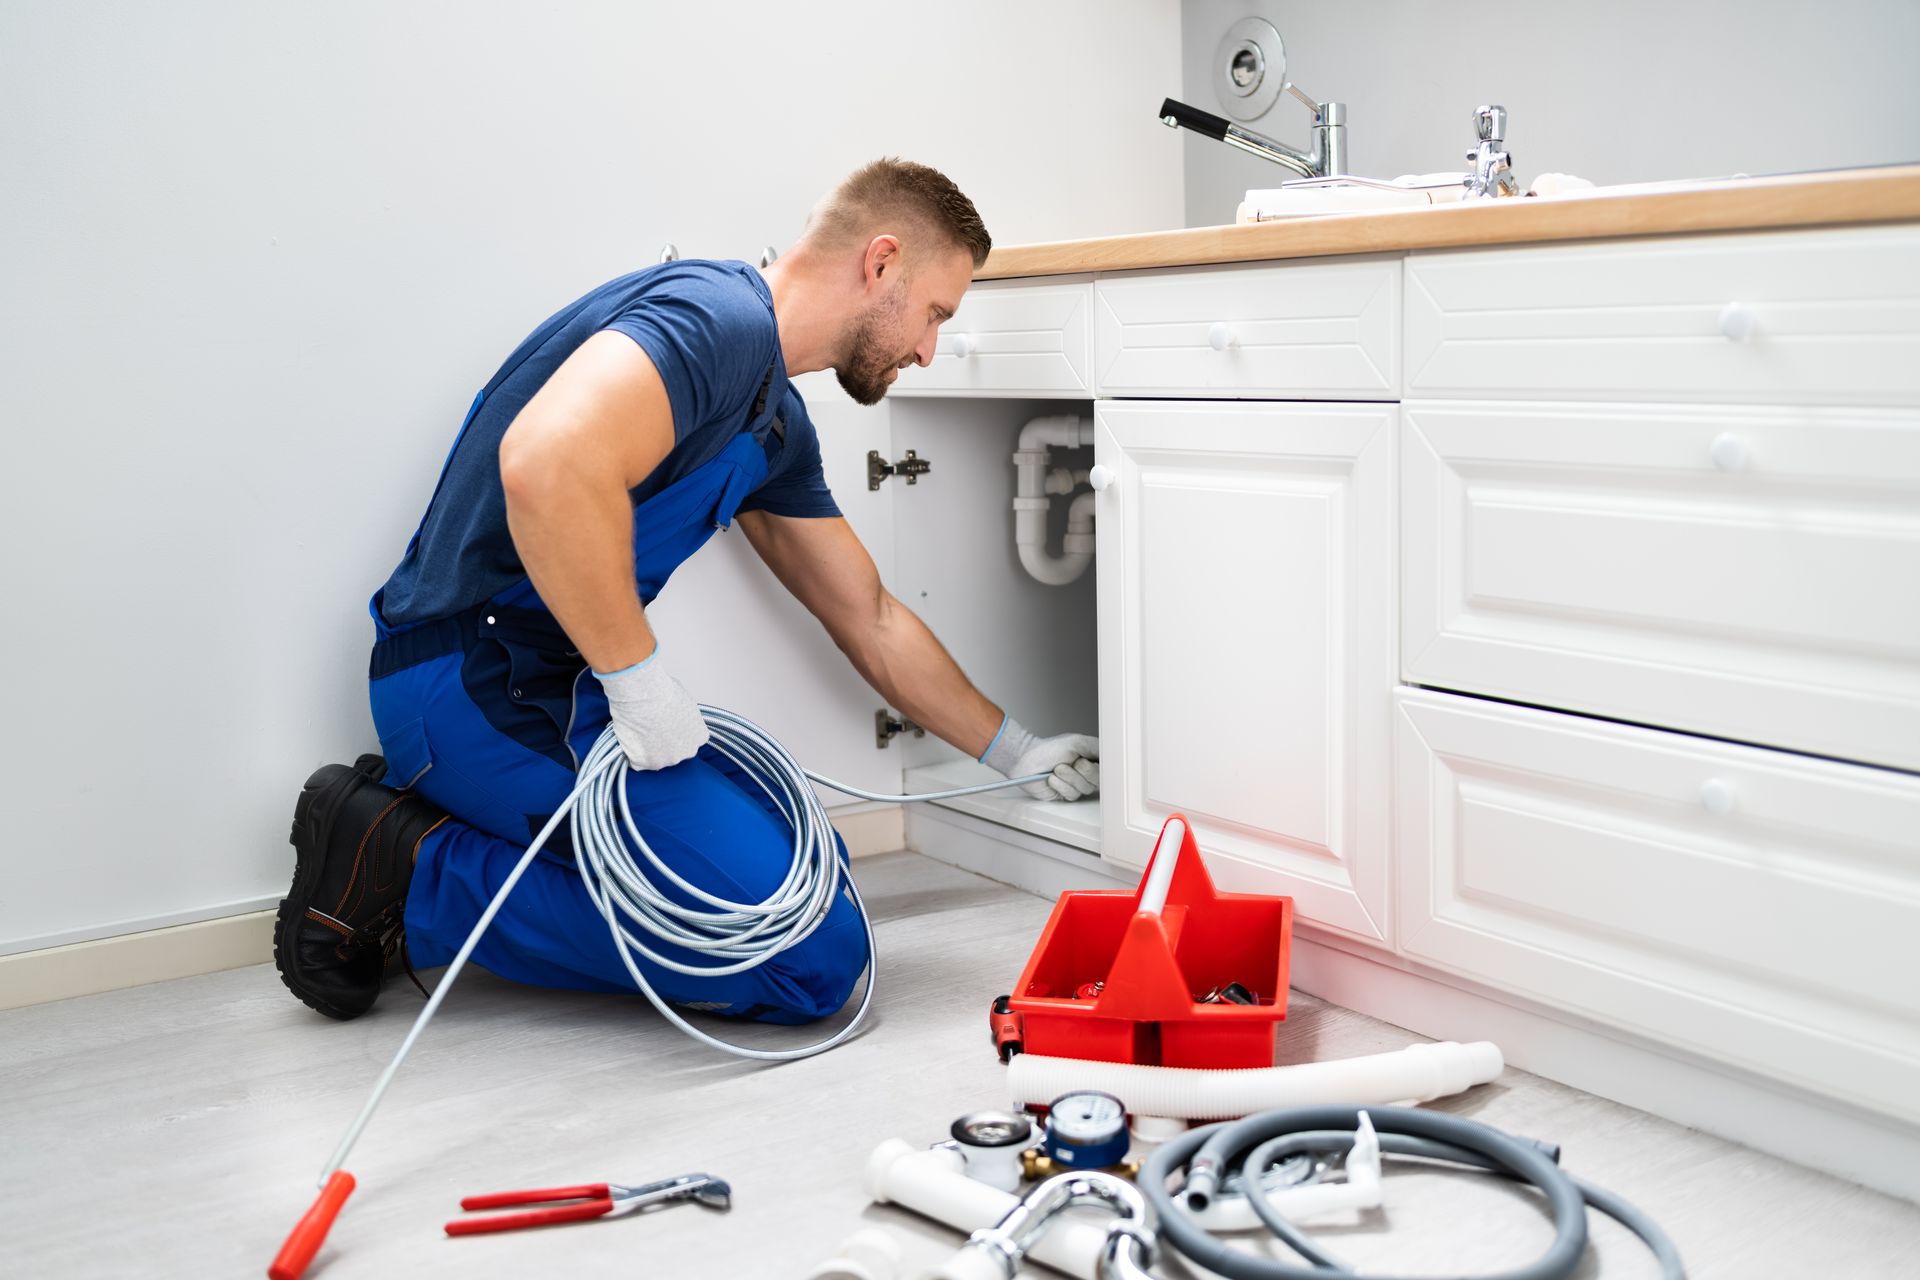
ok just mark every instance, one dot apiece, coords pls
pixel 598 427
pixel 823 563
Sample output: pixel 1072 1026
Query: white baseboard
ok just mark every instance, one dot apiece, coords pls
pixel 1006 854
pixel 870 829
pixel 135 959
pixel 140 924
pixel 1783 1121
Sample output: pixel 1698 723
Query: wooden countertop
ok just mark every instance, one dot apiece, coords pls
pixel 1801 200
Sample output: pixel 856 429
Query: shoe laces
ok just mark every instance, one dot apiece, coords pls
pixel 387 930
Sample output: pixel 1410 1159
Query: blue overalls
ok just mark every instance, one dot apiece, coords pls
pixel 488 714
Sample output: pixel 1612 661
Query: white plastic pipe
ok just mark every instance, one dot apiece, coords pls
pixel 870 1253
pixel 1059 431
pixel 930 1183
pixel 1034 479
pixel 1030 537
pixel 969 1264
pixel 1064 480
pixel 1415 1074
pixel 1079 539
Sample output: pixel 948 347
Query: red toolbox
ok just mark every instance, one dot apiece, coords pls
pixel 1111 982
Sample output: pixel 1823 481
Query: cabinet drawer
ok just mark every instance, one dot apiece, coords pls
pixel 1754 907
pixel 1596 558
pixel 1311 330
pixel 1013 338
pixel 1809 316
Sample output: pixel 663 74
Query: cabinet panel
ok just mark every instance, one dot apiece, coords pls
pixel 1597 559
pixel 1245 562
pixel 1756 907
pixel 1013 338
pixel 1306 330
pixel 1810 316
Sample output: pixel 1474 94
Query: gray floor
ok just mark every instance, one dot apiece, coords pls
pixel 176 1130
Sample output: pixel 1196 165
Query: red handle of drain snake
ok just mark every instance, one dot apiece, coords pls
pixel 532 1218
pixel 311 1231
pixel 502 1199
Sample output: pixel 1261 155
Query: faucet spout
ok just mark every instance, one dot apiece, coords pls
pixel 1325 158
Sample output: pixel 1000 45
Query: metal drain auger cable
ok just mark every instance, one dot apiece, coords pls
pixel 1206 1155
pixel 738 935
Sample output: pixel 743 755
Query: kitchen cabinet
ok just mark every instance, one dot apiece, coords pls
pixel 1293 331
pixel 1245 577
pixel 1745 572
pixel 1812 317
pixel 1542 619
pixel 1022 338
pixel 1755 907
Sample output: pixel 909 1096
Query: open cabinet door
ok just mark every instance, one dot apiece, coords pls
pixel 736 639
pixel 1029 647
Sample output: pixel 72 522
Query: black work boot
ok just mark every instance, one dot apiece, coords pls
pixel 354 842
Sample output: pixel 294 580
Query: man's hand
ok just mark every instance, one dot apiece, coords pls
pixel 1071 762
pixel 655 718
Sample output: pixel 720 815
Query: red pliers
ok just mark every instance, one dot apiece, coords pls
pixel 592 1200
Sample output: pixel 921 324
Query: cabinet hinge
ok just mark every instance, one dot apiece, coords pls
pixel 886 728
pixel 913 466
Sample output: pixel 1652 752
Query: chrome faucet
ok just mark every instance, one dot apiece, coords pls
pixel 1326 156
pixel 1489 165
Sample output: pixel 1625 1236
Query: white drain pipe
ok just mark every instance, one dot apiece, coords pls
pixel 1036 479
pixel 1417 1073
pixel 932 1184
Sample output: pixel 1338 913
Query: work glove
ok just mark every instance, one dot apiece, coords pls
pixel 1071 761
pixel 655 718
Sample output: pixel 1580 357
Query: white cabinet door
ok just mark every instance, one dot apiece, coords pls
pixel 739 640
pixel 1013 338
pixel 1245 561
pixel 1324 330
pixel 1750 573
pixel 1752 906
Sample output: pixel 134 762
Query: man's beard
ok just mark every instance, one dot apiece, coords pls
pixel 863 371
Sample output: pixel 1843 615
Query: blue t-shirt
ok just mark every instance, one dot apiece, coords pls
pixel 709 329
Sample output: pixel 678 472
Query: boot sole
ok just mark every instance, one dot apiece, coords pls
pixel 306 876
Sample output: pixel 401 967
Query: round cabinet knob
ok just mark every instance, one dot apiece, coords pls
pixel 1729 452
pixel 1100 477
pixel 962 346
pixel 1717 795
pixel 1736 321
pixel 1220 336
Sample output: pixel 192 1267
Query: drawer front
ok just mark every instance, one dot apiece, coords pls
pixel 1746 573
pixel 1012 338
pixel 1754 907
pixel 1302 331
pixel 1808 316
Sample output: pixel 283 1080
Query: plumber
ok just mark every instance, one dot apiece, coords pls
pixel 609 447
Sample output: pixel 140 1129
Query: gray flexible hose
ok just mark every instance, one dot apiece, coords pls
pixel 1405 1131
pixel 613 860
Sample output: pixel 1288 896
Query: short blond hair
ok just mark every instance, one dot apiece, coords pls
pixel 890 190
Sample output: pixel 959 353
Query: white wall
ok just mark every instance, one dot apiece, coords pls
pixel 258 256
pixel 1627 91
